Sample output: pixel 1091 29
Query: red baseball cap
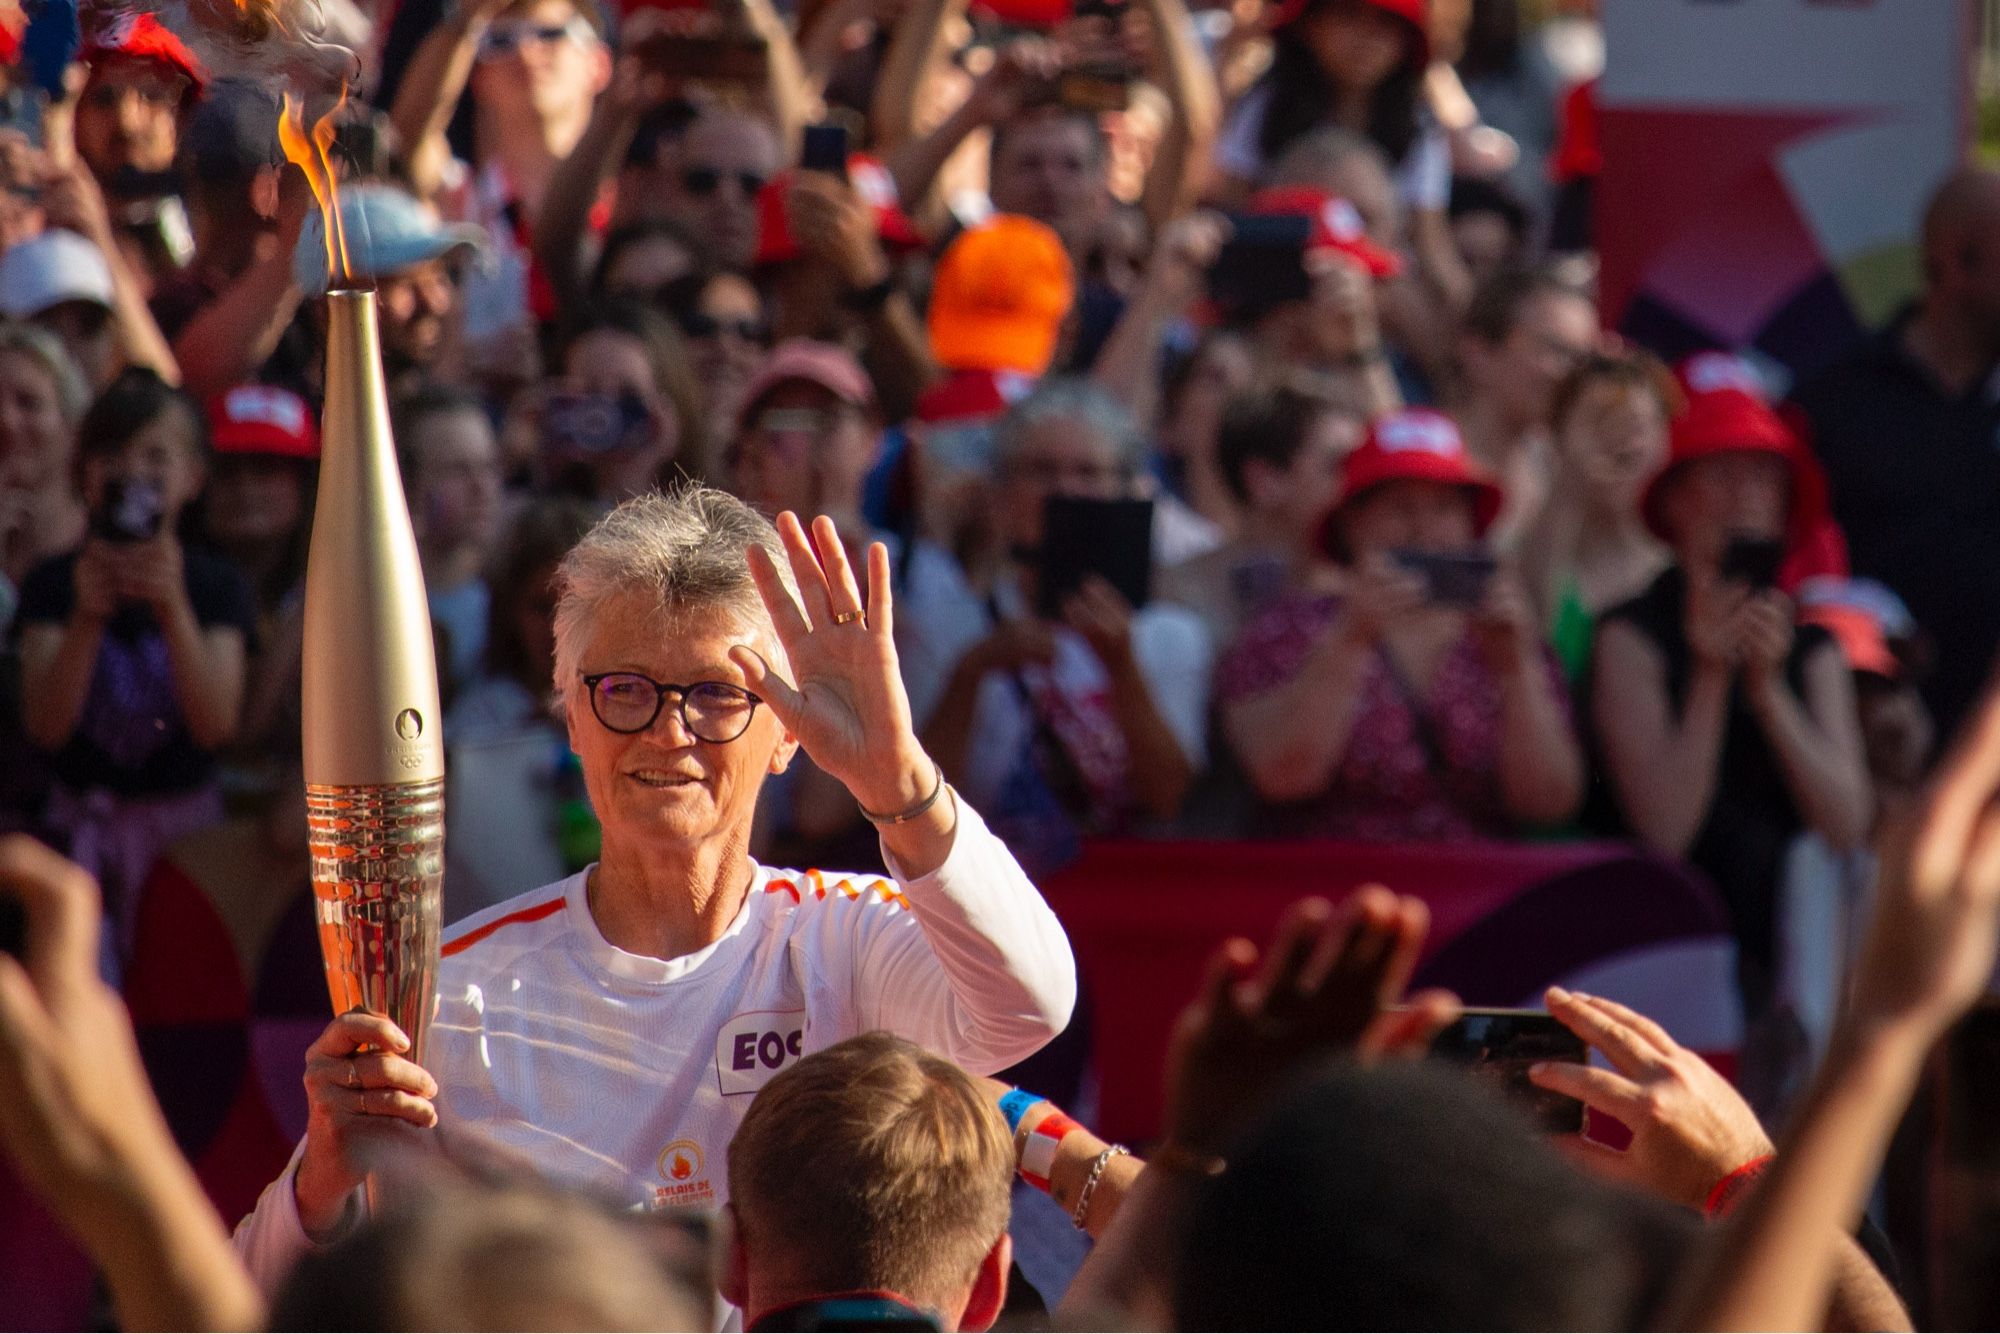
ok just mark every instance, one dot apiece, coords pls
pixel 870 180
pixel 140 36
pixel 1414 445
pixel 831 367
pixel 1416 13
pixel 1336 225
pixel 1726 413
pixel 262 419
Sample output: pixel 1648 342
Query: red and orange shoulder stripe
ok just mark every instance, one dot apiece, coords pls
pixel 816 885
pixel 534 912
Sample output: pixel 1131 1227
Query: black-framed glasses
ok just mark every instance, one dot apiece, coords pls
pixel 503 39
pixel 705 181
pixel 711 711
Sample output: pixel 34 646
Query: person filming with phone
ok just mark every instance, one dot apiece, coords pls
pixel 133 647
pixel 1417 703
pixel 1726 727
pixel 1050 685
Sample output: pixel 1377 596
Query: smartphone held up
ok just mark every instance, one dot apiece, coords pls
pixel 1503 1045
pixel 1083 538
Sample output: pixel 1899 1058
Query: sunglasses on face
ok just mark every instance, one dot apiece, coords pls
pixel 503 39
pixel 705 181
pixel 712 711
pixel 695 324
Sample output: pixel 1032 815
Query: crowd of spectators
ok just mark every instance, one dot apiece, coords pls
pixel 1226 388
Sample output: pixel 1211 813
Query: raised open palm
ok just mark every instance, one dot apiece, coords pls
pixel 845 702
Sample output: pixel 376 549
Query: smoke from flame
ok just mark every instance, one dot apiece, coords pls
pixel 286 45
pixel 309 151
pixel 292 44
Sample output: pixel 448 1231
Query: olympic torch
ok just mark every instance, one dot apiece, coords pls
pixel 374 764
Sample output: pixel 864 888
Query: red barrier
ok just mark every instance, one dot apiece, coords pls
pixel 1507 921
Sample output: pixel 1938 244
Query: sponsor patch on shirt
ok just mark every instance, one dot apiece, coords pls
pixel 755 1045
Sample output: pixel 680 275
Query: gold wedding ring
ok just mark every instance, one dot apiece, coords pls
pixel 846 617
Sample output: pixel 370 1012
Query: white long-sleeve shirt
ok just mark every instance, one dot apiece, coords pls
pixel 630 1074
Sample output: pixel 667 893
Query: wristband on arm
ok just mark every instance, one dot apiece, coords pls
pixel 1014 1104
pixel 1728 1192
pixel 1038 1149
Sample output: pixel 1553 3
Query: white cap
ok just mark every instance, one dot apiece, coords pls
pixel 55 267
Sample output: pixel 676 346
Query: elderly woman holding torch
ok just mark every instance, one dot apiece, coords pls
pixel 612 1028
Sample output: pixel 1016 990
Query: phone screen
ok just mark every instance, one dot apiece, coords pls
pixel 1112 539
pixel 825 150
pixel 1753 561
pixel 1263 263
pixel 13 926
pixel 1452 578
pixel 1501 1045
pixel 131 510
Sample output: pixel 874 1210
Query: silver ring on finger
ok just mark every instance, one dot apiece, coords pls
pixel 846 617
pixel 353 1075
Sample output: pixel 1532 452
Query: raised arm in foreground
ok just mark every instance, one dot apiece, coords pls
pixel 1928 957
pixel 79 1122
pixel 1327 987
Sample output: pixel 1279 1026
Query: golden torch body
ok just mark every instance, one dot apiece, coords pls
pixel 374 758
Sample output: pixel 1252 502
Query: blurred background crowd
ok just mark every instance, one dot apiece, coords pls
pixel 1228 382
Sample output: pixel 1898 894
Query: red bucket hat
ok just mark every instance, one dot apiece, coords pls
pixel 1726 413
pixel 262 419
pixel 1414 445
pixel 143 37
pixel 1336 225
pixel 775 243
pixel 1416 13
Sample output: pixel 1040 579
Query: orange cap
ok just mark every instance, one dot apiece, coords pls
pixel 998 297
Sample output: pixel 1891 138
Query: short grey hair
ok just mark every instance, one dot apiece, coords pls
pixel 688 546
pixel 1072 398
pixel 47 351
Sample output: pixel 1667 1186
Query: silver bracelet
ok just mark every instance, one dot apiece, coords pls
pixel 1090 1182
pixel 904 817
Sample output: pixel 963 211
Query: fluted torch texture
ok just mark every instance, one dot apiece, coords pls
pixel 374 759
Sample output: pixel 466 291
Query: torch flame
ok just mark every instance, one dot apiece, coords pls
pixel 309 151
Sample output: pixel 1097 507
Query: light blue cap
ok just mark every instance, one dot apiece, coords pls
pixel 387 231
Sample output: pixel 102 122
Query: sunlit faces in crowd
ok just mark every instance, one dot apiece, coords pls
pixel 36 432
pixel 1070 451
pixel 454 475
pixel 1708 502
pixel 164 453
pixel 1524 334
pixel 412 305
pixel 1357 45
pixel 631 360
pixel 713 174
pixel 540 65
pixel 1295 497
pixel 804 449
pixel 1409 515
pixel 726 335
pixel 1613 432
pixel 1050 164
pixel 128 116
